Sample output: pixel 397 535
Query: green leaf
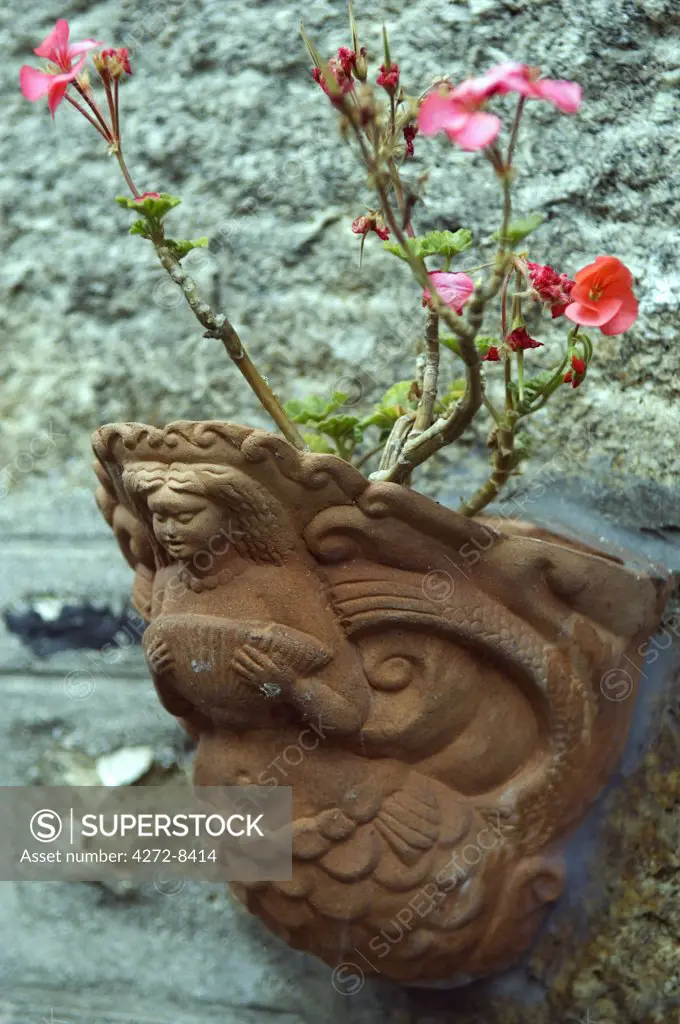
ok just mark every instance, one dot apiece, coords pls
pixel 395 248
pixel 434 243
pixel 128 203
pixel 393 404
pixel 140 227
pixel 455 391
pixel 180 247
pixel 398 394
pixel 524 445
pixel 318 444
pixel 444 243
pixel 313 409
pixel 453 394
pixel 338 399
pixel 519 229
pixel 150 208
pixel 538 389
pixel 485 342
pixel 341 427
pixel 448 341
pixel 535 386
pixel 383 418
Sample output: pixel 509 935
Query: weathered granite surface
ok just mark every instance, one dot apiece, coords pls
pixel 221 110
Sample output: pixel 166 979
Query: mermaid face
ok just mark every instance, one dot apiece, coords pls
pixel 186 523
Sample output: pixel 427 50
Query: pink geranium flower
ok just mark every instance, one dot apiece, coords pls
pixel 453 289
pixel 54 82
pixel 515 77
pixel 463 122
pixel 460 111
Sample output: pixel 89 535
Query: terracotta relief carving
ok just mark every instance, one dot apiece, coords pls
pixel 437 677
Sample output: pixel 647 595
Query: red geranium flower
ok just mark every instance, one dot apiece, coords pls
pixel 371 222
pixel 36 83
pixel 603 296
pixel 577 373
pixel 341 68
pixel 551 287
pixel 519 339
pixel 389 77
pixel 410 132
pixel 347 60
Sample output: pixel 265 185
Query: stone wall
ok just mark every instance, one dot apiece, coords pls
pixel 222 111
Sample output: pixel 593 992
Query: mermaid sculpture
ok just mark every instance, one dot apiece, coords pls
pixel 450 667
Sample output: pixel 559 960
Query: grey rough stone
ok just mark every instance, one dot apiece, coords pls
pixel 221 110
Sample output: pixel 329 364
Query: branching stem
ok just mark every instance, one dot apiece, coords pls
pixel 217 326
pixel 425 413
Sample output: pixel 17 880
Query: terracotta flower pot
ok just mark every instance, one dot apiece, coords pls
pixel 434 688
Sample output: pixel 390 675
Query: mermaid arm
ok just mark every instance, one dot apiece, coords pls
pixel 285 664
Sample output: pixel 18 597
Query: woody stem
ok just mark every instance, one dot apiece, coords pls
pixel 504 311
pixel 401 202
pixel 425 412
pixel 504 461
pixel 217 326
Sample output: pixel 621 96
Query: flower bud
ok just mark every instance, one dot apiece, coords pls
pixel 113 62
pixel 389 77
pixel 519 340
pixel 373 221
pixel 410 132
pixel 361 65
pixel 576 375
pixel 346 58
pixel 366 102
